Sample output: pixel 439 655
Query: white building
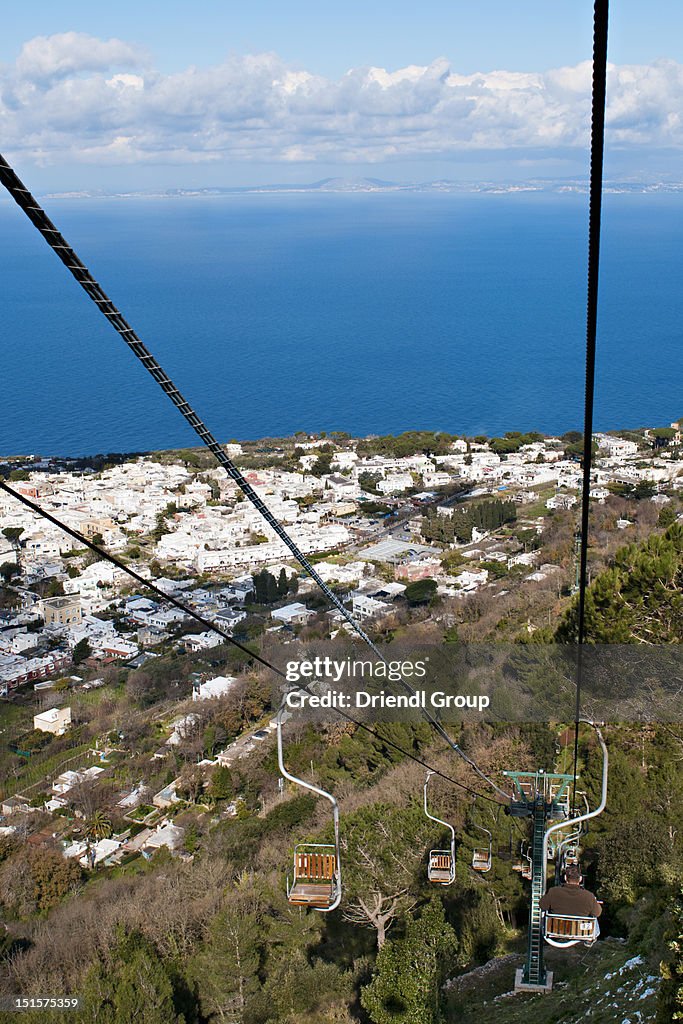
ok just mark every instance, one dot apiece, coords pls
pixel 56 721
pixel 561 501
pixel 202 641
pixel 472 579
pixel 170 836
pixel 364 607
pixel 213 688
pixel 616 447
pixel 295 614
pixel 395 483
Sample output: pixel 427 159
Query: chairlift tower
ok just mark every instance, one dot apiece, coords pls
pixel 543 797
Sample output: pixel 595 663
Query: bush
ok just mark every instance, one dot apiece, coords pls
pixel 420 592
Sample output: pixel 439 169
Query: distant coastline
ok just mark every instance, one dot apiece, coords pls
pixel 577 186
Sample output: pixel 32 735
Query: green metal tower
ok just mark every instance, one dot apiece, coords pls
pixel 543 797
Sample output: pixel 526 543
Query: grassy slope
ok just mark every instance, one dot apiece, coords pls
pixel 603 985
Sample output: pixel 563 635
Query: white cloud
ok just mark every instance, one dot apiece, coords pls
pixel 126 82
pixel 45 57
pixel 66 100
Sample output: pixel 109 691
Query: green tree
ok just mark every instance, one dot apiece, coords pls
pixel 666 518
pixel 451 560
pixel 161 528
pixel 643 490
pixel 266 589
pixel 300 992
pixel 323 464
pixel 638 599
pixel 574 448
pixel 12 534
pixel 221 786
pixel 670 997
pixel 131 986
pixel 496 570
pixel 368 482
pixel 383 848
pixel 631 857
pixel 663 435
pixel 420 592
pixel 409 972
pixel 81 651
pixel 226 970
pixel 8 570
pixel 54 877
pixel 191 840
pixel 98 827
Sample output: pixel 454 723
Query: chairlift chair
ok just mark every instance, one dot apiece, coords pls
pixel 316 879
pixel 523 865
pixel 441 866
pixel 482 856
pixel 563 930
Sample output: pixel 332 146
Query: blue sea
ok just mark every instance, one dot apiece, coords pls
pixel 369 313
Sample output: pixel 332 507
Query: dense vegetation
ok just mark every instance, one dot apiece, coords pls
pixel 639 598
pixel 485 516
pixel 216 940
pixel 412 442
pixel 212 938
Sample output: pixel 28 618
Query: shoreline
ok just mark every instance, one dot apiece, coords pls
pixel 310 438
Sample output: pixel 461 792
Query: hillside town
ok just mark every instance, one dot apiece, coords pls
pixel 363 517
pixel 133 734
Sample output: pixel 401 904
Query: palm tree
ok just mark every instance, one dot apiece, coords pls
pixel 97 827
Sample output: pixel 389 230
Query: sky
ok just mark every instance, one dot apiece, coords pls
pixel 150 94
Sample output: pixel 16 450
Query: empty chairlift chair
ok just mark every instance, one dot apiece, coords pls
pixel 567 854
pixel 316 879
pixel 482 856
pixel 441 867
pixel 314 883
pixel 523 866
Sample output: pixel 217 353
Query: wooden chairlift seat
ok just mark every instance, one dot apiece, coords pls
pixel 441 868
pixel 441 865
pixel 566 930
pixel 481 859
pixel 317 880
pixel 523 867
pixel 315 876
pixel 482 856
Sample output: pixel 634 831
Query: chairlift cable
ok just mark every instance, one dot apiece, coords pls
pixel 597 147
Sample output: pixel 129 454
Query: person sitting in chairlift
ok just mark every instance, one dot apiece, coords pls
pixel 570 899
